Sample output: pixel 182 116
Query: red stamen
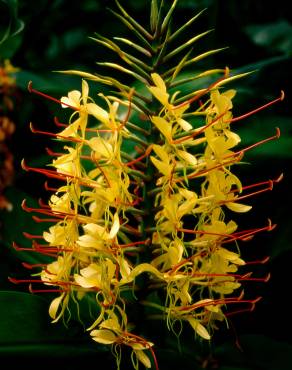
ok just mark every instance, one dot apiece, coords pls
pixel 48 188
pixel 220 165
pixel 39 220
pixel 146 154
pixel 258 262
pixel 59 154
pixel 186 260
pixel 42 204
pixel 48 212
pixel 58 175
pixel 270 187
pixel 244 234
pixel 58 123
pixel 52 153
pixel 35 249
pixel 221 301
pixel 277 180
pixel 245 277
pixel 31 236
pixel 144 242
pixel 241 152
pixel 32 266
pixel 31 290
pixel 49 173
pixel 58 136
pixel 281 98
pixel 201 232
pixel 240 235
pixel 40 281
pixel 17 248
pixel 31 90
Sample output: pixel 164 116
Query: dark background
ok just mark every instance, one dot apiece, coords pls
pixel 56 37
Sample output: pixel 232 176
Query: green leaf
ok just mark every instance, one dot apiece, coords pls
pixel 24 319
pixel 9 20
pixel 276 36
pixel 15 222
pixel 26 332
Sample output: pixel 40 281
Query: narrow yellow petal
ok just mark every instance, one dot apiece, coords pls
pixel 103 336
pixel 199 328
pixel 238 207
pixel 163 126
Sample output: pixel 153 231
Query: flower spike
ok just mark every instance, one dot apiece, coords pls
pixel 146 194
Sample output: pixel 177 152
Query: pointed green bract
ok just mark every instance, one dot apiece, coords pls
pixel 167 18
pixel 185 45
pixel 154 15
pixel 187 24
pixel 134 45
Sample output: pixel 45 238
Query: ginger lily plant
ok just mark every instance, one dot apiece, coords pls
pixel 125 223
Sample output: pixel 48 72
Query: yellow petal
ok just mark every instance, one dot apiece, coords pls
pixel 142 346
pixel 87 282
pixel 188 157
pixel 98 112
pixel 163 126
pixel 238 207
pixel 115 226
pixel 89 241
pixel 142 357
pixel 101 147
pixel 186 208
pixel 85 91
pixel 175 254
pixel 72 99
pixel 98 320
pixel 53 309
pixel 158 81
pixel 103 336
pixel 230 256
pixel 230 93
pixel 161 153
pixel 163 167
pixel 186 126
pixel 138 270
pixel 199 328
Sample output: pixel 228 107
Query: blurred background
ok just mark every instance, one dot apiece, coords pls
pixel 49 35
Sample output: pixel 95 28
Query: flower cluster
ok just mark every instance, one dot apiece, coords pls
pixel 7 127
pixel 146 201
